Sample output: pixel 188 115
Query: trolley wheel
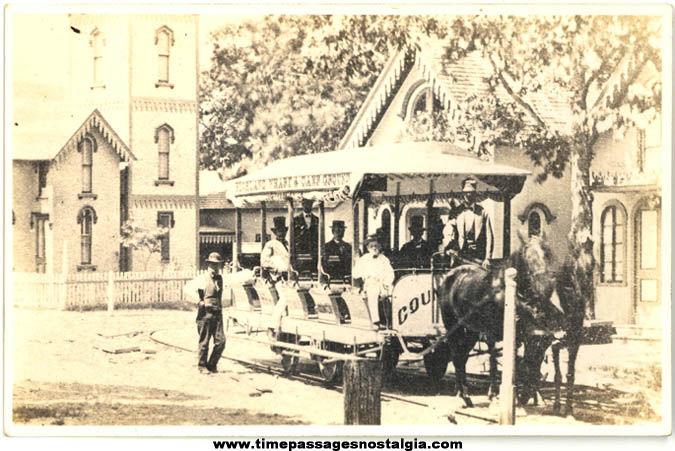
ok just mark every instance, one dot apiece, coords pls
pixel 435 364
pixel 289 363
pixel 330 372
pixel 389 357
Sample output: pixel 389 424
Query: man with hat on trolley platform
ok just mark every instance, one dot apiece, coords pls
pixel 378 278
pixel 275 255
pixel 338 253
pixel 474 228
pixel 416 253
pixel 306 233
pixel 207 290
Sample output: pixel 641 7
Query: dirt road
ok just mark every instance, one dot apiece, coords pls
pixel 63 377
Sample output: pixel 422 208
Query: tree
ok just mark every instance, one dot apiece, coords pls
pixel 592 67
pixel 289 85
pixel 147 240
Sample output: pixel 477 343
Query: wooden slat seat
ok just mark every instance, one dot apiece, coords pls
pixel 267 295
pixel 327 305
pixel 244 297
pixel 358 308
pixel 298 301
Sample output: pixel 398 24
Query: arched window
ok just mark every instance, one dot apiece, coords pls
pixel 423 103
pixel 163 41
pixel 86 218
pixel 97 42
pixel 534 223
pixel 612 247
pixel 164 138
pixel 87 148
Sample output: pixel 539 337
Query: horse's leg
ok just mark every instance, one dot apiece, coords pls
pixel 573 350
pixel 492 392
pixel 557 380
pixel 462 346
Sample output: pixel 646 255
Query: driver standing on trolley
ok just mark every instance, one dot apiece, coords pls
pixel 377 275
pixel 474 228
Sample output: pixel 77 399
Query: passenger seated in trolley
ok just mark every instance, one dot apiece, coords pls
pixel 338 253
pixel 416 253
pixel 474 228
pixel 306 234
pixel 378 277
pixel 275 255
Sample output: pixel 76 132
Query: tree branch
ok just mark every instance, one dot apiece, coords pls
pixel 519 100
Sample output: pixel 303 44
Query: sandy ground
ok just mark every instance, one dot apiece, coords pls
pixel 61 376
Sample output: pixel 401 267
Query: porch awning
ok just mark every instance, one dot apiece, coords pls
pixel 215 235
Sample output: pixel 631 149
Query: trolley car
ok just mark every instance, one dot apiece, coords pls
pixel 329 320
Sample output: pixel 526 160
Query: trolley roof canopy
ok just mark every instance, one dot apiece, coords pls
pixel 345 174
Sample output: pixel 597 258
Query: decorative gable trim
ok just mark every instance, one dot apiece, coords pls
pixel 96 121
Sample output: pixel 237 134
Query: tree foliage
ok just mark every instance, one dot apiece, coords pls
pixel 289 85
pixel 146 240
pixel 292 84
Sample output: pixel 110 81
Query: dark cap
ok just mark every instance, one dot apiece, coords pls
pixel 416 223
pixel 338 224
pixel 279 223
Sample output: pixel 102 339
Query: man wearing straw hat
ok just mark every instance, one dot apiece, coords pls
pixel 275 254
pixel 338 253
pixel 474 228
pixel 207 290
pixel 416 253
pixel 377 275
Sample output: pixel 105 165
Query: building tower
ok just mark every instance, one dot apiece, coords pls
pixel 141 73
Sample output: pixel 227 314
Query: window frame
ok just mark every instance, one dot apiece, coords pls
pixel 617 256
pixel 87 215
pixel 87 193
pixel 97 42
pixel 164 53
pixel 164 179
pixel 165 251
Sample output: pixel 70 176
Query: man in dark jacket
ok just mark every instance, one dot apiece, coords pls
pixel 338 253
pixel 306 230
pixel 416 253
pixel 207 290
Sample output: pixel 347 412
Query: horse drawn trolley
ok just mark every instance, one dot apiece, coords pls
pixel 372 188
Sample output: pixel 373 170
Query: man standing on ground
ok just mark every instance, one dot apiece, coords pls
pixel 207 290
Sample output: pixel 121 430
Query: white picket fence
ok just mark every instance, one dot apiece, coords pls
pixel 112 289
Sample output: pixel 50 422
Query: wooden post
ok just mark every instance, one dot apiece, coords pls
pixel 430 210
pixel 361 391
pixel 322 239
pixel 263 225
pixel 111 292
pixel 507 226
pixel 291 231
pixel 355 231
pixel 236 250
pixel 64 277
pixel 397 216
pixel 366 198
pixel 507 399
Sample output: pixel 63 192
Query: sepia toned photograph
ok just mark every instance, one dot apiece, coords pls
pixel 430 220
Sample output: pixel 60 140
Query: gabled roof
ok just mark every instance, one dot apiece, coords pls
pixel 452 84
pixel 52 139
pixel 97 121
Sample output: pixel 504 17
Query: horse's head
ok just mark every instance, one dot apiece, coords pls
pixel 581 251
pixel 534 261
